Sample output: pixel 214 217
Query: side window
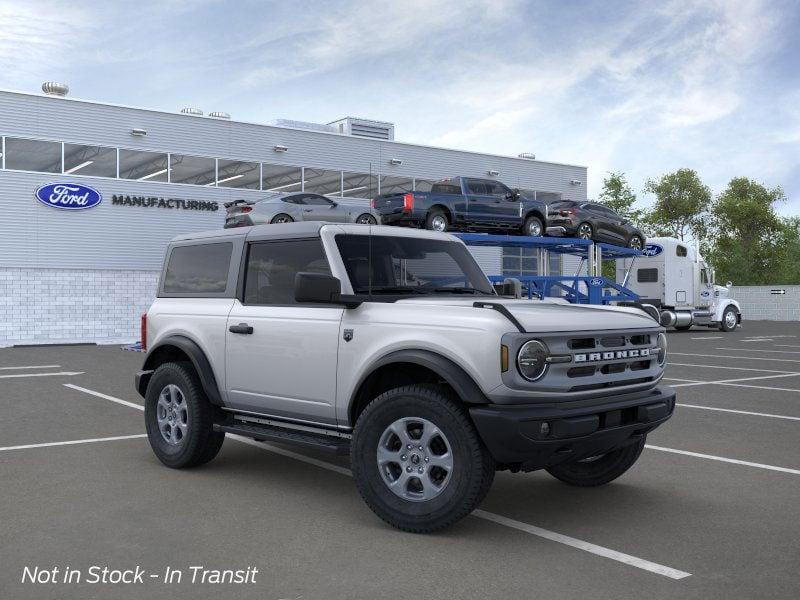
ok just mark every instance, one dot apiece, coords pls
pixel 704 276
pixel 294 199
pixel 198 269
pixel 495 188
pixel 445 187
pixel 681 250
pixel 316 200
pixel 647 275
pixel 272 266
pixel 475 186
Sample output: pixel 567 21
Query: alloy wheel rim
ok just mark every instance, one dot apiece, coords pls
pixel 172 415
pixel 584 232
pixel 281 220
pixel 534 229
pixel 636 243
pixel 439 223
pixel 730 319
pixel 366 220
pixel 415 459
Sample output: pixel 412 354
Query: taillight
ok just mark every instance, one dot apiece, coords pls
pixel 246 209
pixel 408 201
pixel 144 332
pixel 568 212
pixel 374 203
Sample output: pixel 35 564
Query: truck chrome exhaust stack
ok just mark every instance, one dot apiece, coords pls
pixel 668 319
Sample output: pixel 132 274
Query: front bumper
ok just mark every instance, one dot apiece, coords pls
pixel 535 437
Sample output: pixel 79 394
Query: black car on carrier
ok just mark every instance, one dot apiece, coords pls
pixel 592 221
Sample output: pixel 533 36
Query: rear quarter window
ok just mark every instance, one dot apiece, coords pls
pixel 198 269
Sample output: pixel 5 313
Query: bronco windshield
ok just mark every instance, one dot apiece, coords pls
pixel 409 265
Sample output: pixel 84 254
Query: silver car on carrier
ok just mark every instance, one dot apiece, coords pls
pixel 297 206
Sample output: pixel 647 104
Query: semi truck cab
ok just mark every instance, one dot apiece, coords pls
pixel 672 277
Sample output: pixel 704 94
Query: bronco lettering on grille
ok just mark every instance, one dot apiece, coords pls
pixel 618 354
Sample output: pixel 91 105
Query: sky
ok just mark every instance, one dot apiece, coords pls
pixel 639 87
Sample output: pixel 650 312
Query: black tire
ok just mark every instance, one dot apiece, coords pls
pixel 282 218
pixel 636 242
pixel 586 227
pixel 724 325
pixel 201 443
pixel 366 219
pixel 533 227
pixel 592 472
pixel 472 472
pixel 433 219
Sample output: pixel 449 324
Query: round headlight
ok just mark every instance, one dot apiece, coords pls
pixel 532 360
pixel 661 346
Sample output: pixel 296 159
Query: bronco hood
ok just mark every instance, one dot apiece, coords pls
pixel 551 316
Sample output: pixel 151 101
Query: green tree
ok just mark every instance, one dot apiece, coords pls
pixel 681 206
pixel 751 244
pixel 618 196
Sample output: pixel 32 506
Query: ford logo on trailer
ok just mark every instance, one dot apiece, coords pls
pixel 596 282
pixel 652 250
pixel 68 196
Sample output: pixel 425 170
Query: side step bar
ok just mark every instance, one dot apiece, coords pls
pixel 268 433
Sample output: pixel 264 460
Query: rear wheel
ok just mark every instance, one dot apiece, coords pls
pixel 437 220
pixel 179 418
pixel 599 470
pixel 585 231
pixel 417 460
pixel 282 218
pixel 366 219
pixel 729 320
pixel 533 227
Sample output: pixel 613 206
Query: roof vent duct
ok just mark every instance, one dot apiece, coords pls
pixel 219 115
pixel 52 88
pixel 192 111
pixel 376 130
pixel 527 155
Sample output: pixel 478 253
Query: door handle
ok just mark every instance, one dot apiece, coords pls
pixel 308 210
pixel 241 328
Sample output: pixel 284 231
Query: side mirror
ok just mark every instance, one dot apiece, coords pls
pixel 320 288
pixel 334 204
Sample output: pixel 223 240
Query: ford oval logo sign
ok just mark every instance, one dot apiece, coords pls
pixel 595 282
pixel 652 250
pixel 68 196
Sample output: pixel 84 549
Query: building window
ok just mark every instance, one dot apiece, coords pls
pixel 396 185
pixel 423 185
pixel 322 181
pixel 237 174
pixel 33 155
pixel 97 161
pixel 359 185
pixel 195 170
pixel 280 178
pixel 144 166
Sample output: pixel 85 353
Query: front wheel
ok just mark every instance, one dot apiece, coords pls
pixel 729 320
pixel 417 460
pixel 533 227
pixel 179 418
pixel 635 242
pixel 599 470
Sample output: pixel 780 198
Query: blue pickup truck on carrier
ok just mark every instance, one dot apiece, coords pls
pixel 465 204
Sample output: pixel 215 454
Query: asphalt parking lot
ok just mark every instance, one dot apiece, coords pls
pixel 711 509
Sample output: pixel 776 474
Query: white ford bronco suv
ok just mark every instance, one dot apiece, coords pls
pixel 390 345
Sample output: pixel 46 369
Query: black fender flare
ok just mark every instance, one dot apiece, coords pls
pixel 199 361
pixel 461 382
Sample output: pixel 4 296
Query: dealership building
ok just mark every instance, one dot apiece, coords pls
pixel 86 274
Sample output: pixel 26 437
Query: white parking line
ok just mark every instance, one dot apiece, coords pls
pixel 723 459
pixel 104 396
pixel 18 375
pixel 748 358
pixel 732 381
pixel 582 545
pixel 481 514
pixel 73 442
pixel 739 412
pixel 762 387
pixel 759 340
pixel 729 368
pixel 786 346
pixel 709 337
pixel 753 350
pixel 31 367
